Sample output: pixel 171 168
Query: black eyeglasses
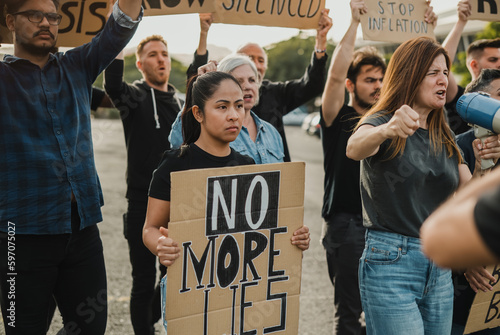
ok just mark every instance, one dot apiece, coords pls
pixel 36 16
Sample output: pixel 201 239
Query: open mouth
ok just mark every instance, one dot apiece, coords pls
pixel 441 93
pixel 248 97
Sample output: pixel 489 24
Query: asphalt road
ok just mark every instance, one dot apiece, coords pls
pixel 316 301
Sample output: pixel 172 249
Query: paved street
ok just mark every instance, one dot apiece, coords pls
pixel 316 308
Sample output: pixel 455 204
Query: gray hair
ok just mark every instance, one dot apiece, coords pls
pixel 231 62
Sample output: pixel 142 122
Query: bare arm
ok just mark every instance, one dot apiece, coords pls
pixel 366 141
pixel 155 232
pixel 333 94
pixel 451 42
pixel 450 237
pixel 324 26
pixel 206 20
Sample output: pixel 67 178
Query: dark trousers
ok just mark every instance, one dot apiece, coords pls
pixel 145 304
pixel 67 267
pixel 344 241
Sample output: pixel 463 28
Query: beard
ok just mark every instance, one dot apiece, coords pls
pixel 363 103
pixel 36 50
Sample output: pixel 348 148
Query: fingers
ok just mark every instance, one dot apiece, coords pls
pixel 479 279
pixel 430 17
pixel 403 123
pixel 206 20
pixel 209 67
pixel 301 238
pixel 358 8
pixel 488 149
pixel 167 249
pixel 464 10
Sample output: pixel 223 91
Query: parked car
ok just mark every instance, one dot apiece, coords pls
pixel 311 124
pixel 307 121
pixel 295 117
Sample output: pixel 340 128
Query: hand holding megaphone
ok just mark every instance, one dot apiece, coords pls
pixel 483 113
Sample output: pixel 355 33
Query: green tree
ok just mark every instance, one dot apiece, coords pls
pixel 289 59
pixel 492 30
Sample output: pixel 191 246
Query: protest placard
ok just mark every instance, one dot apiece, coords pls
pixel 395 21
pixel 485 310
pixel 83 19
pixel 301 14
pixel 485 10
pixel 237 273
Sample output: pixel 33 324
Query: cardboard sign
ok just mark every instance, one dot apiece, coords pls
pixel 83 19
pixel 485 310
pixel 395 21
pixel 237 273
pixel 301 14
pixel 486 10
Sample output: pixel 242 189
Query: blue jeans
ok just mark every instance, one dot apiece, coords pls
pixel 402 292
pixel 163 293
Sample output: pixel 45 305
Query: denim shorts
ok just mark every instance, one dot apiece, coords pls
pixel 402 292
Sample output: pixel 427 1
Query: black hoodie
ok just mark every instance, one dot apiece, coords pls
pixel 147 115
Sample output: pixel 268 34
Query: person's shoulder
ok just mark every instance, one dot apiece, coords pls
pixel 265 124
pixel 172 159
pixel 270 85
pixel 378 118
pixel 240 159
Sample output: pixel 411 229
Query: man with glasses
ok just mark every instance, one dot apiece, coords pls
pixel 50 196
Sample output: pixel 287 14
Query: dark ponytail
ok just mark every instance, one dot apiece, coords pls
pixel 199 90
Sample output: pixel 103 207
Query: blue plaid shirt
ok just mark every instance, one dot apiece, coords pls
pixel 45 136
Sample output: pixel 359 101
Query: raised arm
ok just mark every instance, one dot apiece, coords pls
pixel 132 8
pixel 201 54
pixel 324 26
pixel 334 92
pixel 451 42
pixel 206 20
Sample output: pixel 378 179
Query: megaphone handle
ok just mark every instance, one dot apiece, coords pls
pixel 482 134
pixel 487 164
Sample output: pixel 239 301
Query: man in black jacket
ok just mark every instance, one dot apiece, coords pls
pixel 277 98
pixel 147 108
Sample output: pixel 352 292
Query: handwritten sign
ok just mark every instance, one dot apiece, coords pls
pixel 395 21
pixel 485 310
pixel 83 19
pixel 301 14
pixel 237 273
pixel 486 10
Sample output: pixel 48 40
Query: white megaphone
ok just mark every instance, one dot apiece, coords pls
pixel 482 112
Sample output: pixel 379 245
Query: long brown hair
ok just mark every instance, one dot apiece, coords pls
pixel 406 71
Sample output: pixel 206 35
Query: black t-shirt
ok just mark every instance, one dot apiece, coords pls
pixel 193 158
pixel 399 194
pixel 487 217
pixel 341 183
pixel 457 124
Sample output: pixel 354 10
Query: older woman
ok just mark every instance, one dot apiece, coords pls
pixel 410 165
pixel 258 138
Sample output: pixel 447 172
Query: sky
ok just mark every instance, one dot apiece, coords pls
pixel 182 31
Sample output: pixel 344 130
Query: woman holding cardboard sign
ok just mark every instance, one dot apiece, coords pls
pixel 212 118
pixel 410 165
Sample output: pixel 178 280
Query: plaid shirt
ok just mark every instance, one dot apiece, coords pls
pixel 46 151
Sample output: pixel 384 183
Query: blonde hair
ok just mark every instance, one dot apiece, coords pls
pixel 146 40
